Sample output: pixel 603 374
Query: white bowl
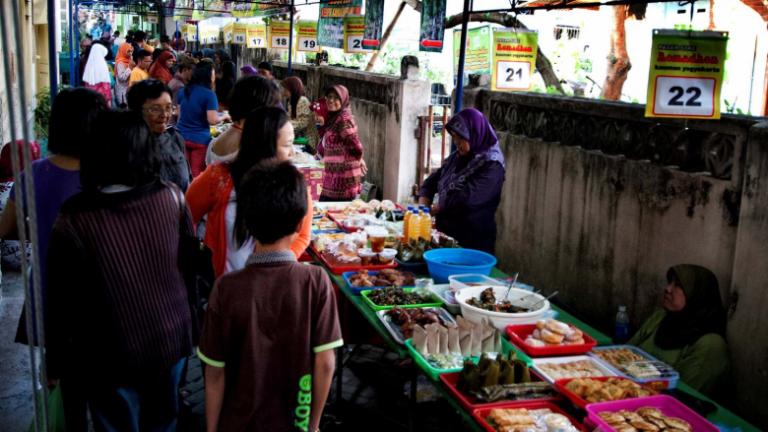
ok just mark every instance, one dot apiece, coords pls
pixel 501 319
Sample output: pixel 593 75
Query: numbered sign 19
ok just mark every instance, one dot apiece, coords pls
pixel 511 75
pixel 686 74
pixel 308 44
pixel 684 96
pixel 514 54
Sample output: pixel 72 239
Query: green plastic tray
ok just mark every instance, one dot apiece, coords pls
pixel 435 303
pixel 433 373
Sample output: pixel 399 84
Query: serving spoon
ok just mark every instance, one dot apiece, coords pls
pixel 533 307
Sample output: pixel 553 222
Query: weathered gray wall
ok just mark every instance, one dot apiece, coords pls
pixel 600 201
pixel 386 110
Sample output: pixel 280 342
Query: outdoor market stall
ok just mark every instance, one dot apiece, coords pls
pixel 596 345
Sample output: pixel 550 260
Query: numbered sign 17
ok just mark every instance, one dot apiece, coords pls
pixel 684 96
pixel 513 75
pixel 307 44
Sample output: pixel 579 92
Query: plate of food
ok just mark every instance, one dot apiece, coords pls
pixel 401 321
pixel 530 417
pixel 500 394
pixel 585 391
pixel 555 368
pixel 388 298
pixel 362 280
pixel 503 306
pixel 550 337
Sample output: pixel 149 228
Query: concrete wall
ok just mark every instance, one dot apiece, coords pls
pixel 386 110
pixel 600 201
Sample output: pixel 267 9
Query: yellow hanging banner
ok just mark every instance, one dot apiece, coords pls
pixel 228 32
pixel 306 36
pixel 279 34
pixel 239 33
pixel 686 74
pixel 256 36
pixel 514 57
pixel 354 33
pixel 185 32
pixel 214 33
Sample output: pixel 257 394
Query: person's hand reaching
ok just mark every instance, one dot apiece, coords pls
pixel 363 167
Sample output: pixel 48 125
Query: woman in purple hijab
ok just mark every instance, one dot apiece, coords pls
pixel 469 184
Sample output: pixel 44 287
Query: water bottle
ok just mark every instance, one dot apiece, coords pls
pixel 426 226
pixel 622 325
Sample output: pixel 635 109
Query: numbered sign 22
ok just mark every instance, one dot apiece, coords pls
pixel 307 44
pixel 513 75
pixel 280 42
pixel 355 44
pixel 684 96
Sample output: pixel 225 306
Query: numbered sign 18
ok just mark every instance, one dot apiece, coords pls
pixel 684 96
pixel 355 44
pixel 308 44
pixel 280 42
pixel 513 75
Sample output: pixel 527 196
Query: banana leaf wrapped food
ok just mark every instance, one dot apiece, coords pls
pixel 469 380
pixel 521 391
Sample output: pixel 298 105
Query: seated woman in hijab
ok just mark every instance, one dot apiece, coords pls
pixel 689 332
pixel 468 184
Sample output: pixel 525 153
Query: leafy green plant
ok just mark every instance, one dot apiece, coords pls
pixel 43 111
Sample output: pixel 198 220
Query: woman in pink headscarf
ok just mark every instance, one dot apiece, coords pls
pixel 341 149
pixel 10 250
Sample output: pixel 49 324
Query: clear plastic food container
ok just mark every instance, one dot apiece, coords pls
pixel 387 256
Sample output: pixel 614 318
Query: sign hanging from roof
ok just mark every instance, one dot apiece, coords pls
pixel 514 57
pixel 330 23
pixel 686 74
pixel 432 25
pixel 374 24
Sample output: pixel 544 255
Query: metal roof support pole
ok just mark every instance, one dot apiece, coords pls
pixel 53 55
pixel 76 23
pixel 72 42
pixel 462 58
pixel 290 42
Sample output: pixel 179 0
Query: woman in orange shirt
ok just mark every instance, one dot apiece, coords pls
pixel 267 134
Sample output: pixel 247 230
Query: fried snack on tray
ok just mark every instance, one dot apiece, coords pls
pixel 386 277
pixel 575 369
pixel 509 420
pixel 617 357
pixel 645 419
pixel 612 389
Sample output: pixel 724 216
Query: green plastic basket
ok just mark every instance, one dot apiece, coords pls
pixel 300 141
pixel 435 301
pixel 433 373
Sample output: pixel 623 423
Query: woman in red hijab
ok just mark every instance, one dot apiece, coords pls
pixel 341 149
pixel 11 252
pixel 161 70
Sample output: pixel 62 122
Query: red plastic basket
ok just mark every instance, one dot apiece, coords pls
pixel 518 333
pixel 581 402
pixel 470 403
pixel 481 414
pixel 341 270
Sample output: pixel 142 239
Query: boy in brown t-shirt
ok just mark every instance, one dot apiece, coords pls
pixel 270 328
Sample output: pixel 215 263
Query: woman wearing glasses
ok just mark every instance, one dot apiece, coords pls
pixel 341 149
pixel 152 99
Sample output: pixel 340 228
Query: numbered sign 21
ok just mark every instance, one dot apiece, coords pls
pixel 684 96
pixel 513 75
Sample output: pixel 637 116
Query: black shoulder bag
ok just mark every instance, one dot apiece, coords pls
pixel 196 265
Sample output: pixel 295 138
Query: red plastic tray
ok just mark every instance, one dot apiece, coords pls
pixel 343 226
pixel 341 270
pixel 470 403
pixel 581 402
pixel 305 257
pixel 518 333
pixel 481 414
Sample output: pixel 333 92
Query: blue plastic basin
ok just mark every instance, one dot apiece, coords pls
pixel 443 263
